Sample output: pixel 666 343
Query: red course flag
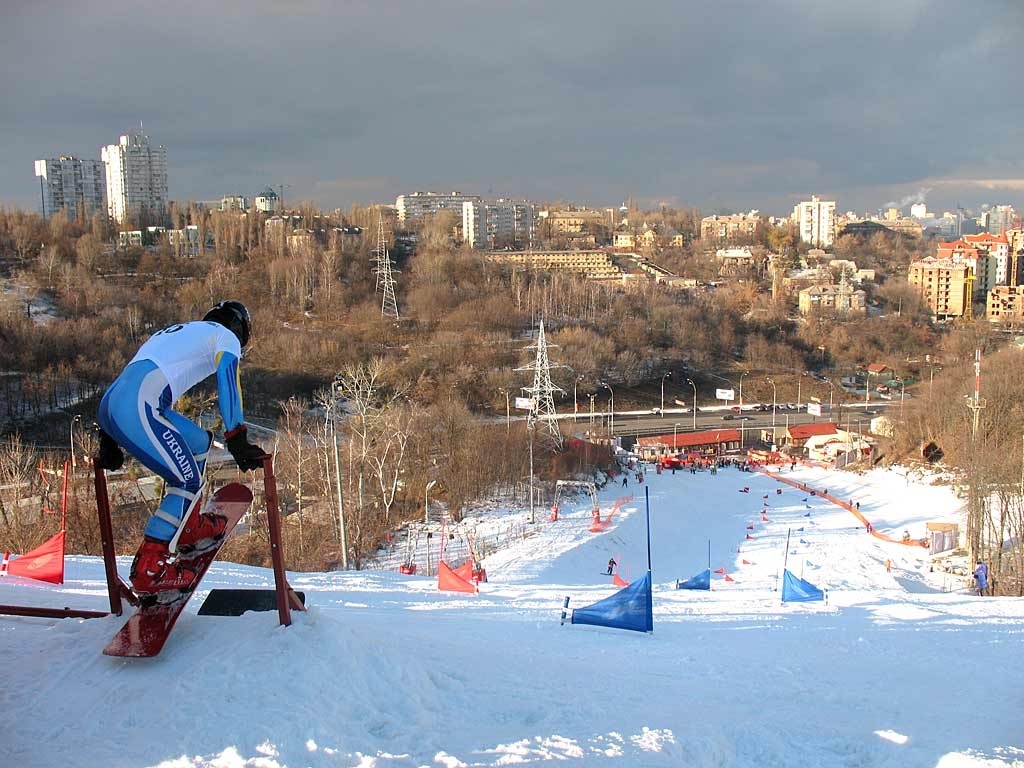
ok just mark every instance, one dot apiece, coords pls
pixel 44 563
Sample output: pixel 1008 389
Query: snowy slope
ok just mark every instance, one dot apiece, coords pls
pixel 897 669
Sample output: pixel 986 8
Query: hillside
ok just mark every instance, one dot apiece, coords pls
pixel 384 670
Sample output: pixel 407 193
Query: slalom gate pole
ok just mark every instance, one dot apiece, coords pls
pixel 647 500
pixel 785 557
pixel 565 609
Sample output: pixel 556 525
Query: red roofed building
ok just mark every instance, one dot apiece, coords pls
pixel 710 442
pixel 977 258
pixel 798 434
pixel 998 249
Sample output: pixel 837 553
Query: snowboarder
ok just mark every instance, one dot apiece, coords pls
pixel 611 566
pixel 136 413
pixel 981 577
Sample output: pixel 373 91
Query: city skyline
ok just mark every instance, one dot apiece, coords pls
pixel 719 107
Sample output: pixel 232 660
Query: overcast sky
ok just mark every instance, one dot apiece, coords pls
pixel 720 105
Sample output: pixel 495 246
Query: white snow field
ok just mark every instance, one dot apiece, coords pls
pixel 901 668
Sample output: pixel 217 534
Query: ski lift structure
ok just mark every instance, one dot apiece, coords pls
pixel 564 488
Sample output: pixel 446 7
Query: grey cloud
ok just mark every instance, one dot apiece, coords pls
pixel 714 104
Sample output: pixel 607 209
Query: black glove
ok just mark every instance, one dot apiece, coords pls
pixel 246 455
pixel 111 456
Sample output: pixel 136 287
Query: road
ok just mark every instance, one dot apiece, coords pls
pixel 645 423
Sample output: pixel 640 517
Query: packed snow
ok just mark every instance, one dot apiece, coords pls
pixel 905 667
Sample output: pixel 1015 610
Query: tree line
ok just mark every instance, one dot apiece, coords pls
pixel 84 305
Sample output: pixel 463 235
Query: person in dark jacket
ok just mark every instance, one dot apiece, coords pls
pixel 611 565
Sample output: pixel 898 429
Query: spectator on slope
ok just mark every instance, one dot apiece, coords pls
pixel 981 577
pixel 137 413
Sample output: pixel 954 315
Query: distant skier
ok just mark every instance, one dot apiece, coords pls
pixel 136 412
pixel 981 577
pixel 611 566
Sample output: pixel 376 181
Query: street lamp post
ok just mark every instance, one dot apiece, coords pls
pixel 742 423
pixel 77 417
pixel 666 375
pixel 799 385
pixel 592 397
pixel 773 404
pixel 426 519
pixel 426 500
pixel 901 396
pixel 690 382
pixel 343 536
pixel 611 405
pixel 575 408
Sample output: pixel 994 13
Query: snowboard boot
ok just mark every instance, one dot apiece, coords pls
pixel 154 571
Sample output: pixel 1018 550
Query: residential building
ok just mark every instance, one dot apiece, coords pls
pixel 234 203
pixel 816 221
pixel 839 299
pixel 419 205
pixel 943 285
pixel 998 248
pixel 136 174
pixel 185 241
pixel 730 227
pixel 497 224
pixel 982 274
pixel 77 187
pixel 735 261
pixel 1005 304
pixel 266 201
pixel 647 239
pixel 593 265
pixel 573 222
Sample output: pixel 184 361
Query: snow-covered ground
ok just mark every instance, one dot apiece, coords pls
pixel 901 668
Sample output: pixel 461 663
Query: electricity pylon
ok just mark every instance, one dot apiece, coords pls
pixel 542 407
pixel 385 277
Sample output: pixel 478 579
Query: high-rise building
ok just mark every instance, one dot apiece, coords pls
pixel 999 218
pixel 419 204
pixel 816 220
pixel 943 285
pixel 497 224
pixel 136 179
pixel 71 185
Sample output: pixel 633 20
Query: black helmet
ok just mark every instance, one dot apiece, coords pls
pixel 234 316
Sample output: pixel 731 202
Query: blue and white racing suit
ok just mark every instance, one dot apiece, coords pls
pixel 137 410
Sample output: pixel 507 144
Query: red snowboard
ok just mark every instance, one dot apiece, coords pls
pixel 147 629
